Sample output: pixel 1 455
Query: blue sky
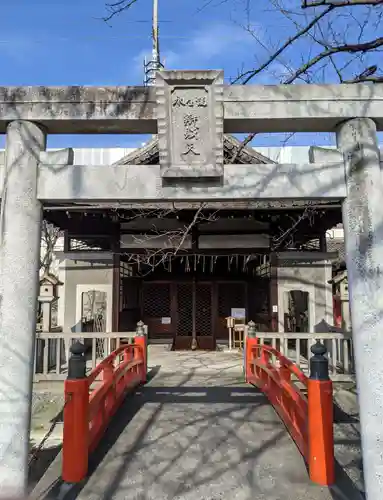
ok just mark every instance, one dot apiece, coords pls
pixel 63 42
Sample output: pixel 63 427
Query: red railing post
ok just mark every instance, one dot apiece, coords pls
pixel 142 353
pixel 107 377
pixel 76 418
pixel 321 461
pixel 250 343
pixel 285 376
pixel 265 357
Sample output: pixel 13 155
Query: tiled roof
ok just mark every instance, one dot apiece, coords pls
pixel 50 278
pixel 337 245
pixel 149 154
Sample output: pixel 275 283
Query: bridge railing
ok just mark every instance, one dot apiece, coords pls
pixel 305 404
pixel 297 347
pixel 91 401
pixel 52 350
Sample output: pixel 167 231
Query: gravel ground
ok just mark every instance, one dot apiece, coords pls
pixel 46 405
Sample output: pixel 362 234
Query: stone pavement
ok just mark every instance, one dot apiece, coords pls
pixel 196 431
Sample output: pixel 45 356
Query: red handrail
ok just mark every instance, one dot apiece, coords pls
pixel 88 412
pixel 275 381
pixel 120 372
pixel 306 411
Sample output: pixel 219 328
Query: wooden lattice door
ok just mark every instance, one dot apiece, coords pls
pixel 184 310
pixel 156 310
pixel 203 316
pixel 194 315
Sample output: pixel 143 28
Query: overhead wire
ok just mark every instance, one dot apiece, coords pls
pixel 100 38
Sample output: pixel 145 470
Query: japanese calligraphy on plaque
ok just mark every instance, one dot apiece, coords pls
pixel 190 124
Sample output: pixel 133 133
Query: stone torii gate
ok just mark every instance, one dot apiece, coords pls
pixel 190 111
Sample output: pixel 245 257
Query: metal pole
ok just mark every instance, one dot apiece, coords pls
pixel 156 42
pixel 154 64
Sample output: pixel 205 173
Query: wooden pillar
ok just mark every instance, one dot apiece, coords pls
pixel 116 278
pixel 274 291
pixel 194 298
pixel 116 293
pixel 322 242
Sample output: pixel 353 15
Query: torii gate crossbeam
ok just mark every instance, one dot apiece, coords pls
pixel 250 108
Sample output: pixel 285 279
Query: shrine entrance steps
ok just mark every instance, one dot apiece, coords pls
pixel 197 431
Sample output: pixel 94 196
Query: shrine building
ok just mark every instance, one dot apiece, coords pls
pixel 184 267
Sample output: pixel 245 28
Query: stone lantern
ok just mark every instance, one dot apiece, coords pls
pixel 340 283
pixel 47 297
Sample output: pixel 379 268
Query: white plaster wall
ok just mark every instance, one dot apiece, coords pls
pixel 79 275
pixel 99 156
pixel 287 154
pixel 312 278
pixel 291 154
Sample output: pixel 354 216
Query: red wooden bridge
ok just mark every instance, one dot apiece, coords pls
pixel 196 435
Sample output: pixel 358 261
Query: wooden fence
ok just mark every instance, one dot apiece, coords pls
pixel 51 355
pixel 52 351
pixel 296 347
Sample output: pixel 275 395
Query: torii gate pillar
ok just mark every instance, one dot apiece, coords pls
pixel 20 242
pixel 363 226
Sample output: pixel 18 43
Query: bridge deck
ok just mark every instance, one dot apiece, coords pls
pixel 197 432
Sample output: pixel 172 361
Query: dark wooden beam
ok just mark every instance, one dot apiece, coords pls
pixel 195 238
pixel 197 231
pixel 218 252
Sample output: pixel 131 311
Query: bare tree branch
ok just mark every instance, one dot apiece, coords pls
pixel 330 49
pixel 350 48
pixel 321 37
pixel 244 143
pixel 367 75
pixel 370 79
pixel 248 75
pixel 307 4
pixel 152 254
pixel 116 8
pixel 49 237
